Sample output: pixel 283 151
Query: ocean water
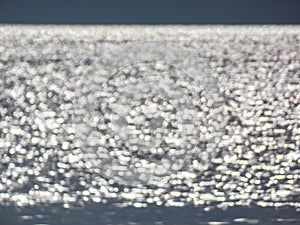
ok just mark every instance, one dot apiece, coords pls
pixel 205 130
pixel 93 213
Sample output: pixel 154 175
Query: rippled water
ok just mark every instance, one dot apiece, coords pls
pixel 46 176
pixel 158 215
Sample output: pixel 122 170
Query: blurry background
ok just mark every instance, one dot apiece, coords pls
pixel 80 180
pixel 150 12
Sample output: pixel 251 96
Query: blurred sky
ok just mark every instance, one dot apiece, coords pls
pixel 150 11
